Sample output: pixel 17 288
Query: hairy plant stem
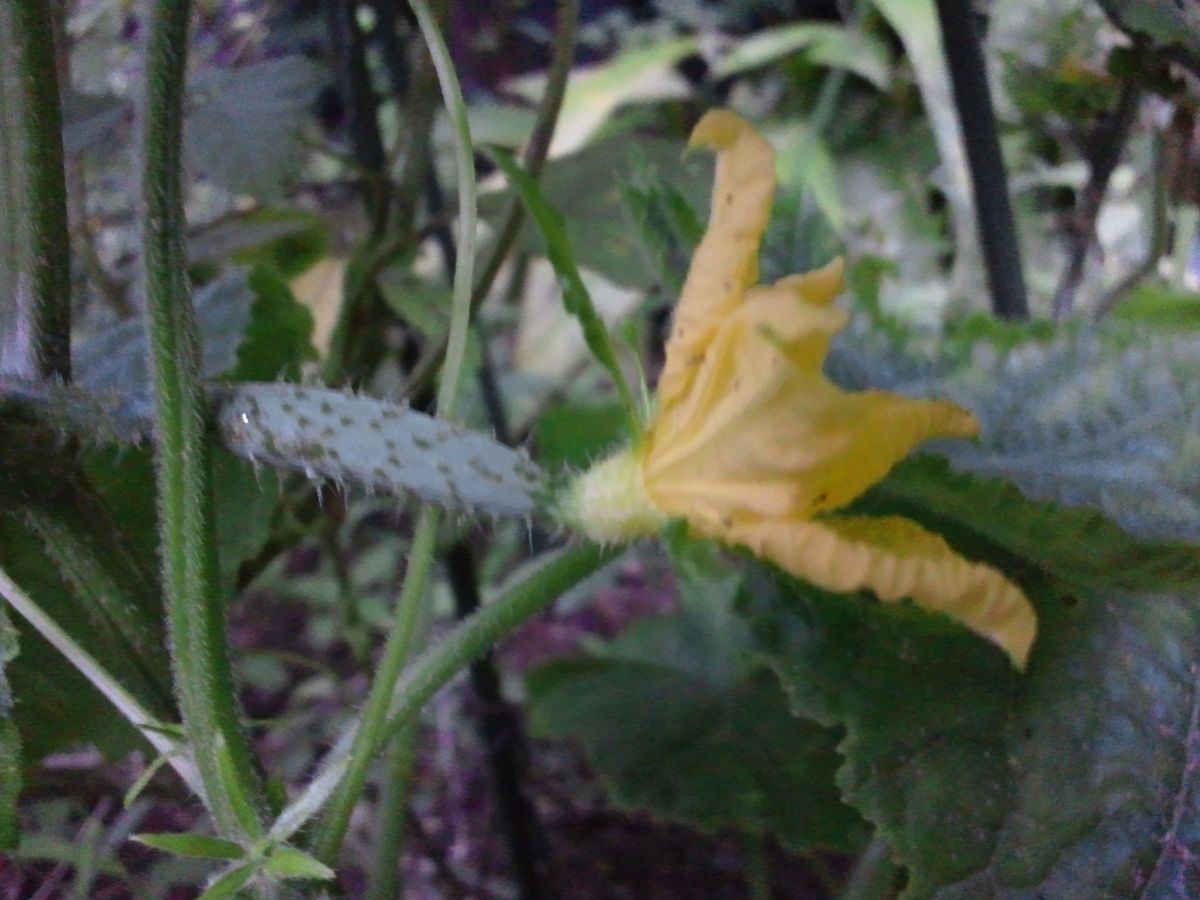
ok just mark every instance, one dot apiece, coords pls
pixel 534 157
pixel 388 852
pixel 195 607
pixel 410 606
pixel 48 251
pixel 370 735
pixel 476 635
pixel 434 668
pixel 993 209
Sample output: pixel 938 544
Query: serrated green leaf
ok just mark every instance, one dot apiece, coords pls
pixel 1091 417
pixel 1079 779
pixel 678 720
pixel 278 337
pixel 193 846
pixel 116 357
pixel 289 862
pixel 1061 784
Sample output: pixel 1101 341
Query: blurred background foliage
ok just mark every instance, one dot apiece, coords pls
pixel 667 760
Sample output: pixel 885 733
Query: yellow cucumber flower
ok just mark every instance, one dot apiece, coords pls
pixel 752 445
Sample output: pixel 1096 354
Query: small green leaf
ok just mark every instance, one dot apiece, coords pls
pixel 288 862
pixel 278 337
pixel 228 884
pixel 193 846
pixel 829 45
pixel 139 785
pixel 576 298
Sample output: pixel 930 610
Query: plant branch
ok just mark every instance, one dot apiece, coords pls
pixel 993 209
pixel 1105 145
pixel 195 607
pixel 411 603
pixel 1159 233
pixel 430 671
pixel 45 189
pixel 370 735
pixel 387 855
pixel 534 157
pixel 434 668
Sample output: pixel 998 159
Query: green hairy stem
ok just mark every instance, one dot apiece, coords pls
pixel 47 286
pixel 199 647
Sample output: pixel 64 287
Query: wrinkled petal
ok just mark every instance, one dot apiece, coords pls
pixel 896 559
pixel 763 432
pixel 726 262
pixel 751 441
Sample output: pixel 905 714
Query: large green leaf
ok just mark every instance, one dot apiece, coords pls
pixel 1077 779
pixel 246 500
pixel 243 128
pixel 679 720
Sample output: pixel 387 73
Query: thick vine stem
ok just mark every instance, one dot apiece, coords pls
pixel 45 189
pixel 476 635
pixel 195 607
pixel 434 668
pixel 370 736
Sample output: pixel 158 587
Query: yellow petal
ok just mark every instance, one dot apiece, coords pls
pixel 726 262
pixel 894 558
pixel 762 431
pixel 820 286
